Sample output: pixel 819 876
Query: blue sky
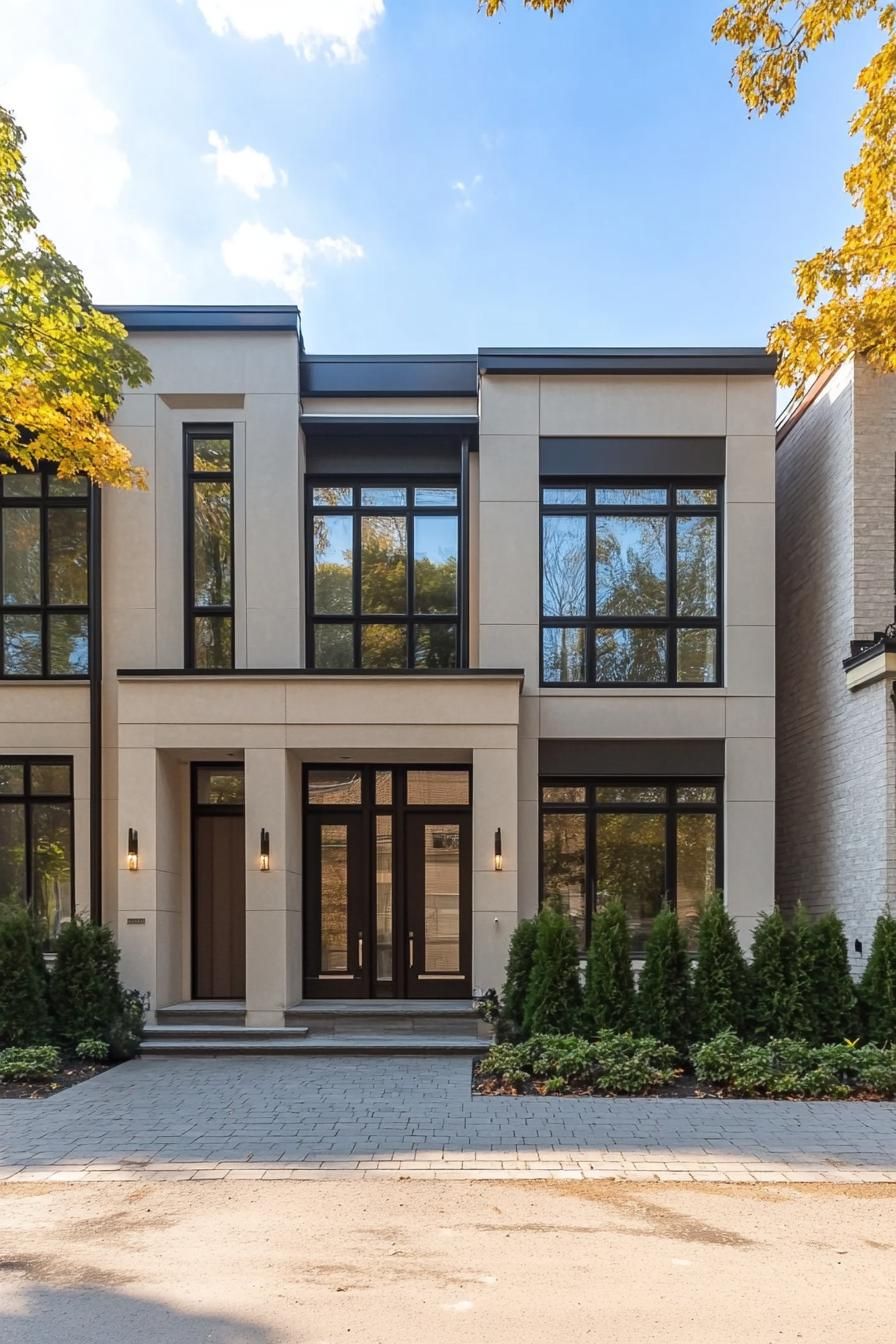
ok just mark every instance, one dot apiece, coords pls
pixel 420 178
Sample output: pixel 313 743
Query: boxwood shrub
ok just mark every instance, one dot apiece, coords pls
pixel 29 1064
pixel 795 1068
pixel 613 1062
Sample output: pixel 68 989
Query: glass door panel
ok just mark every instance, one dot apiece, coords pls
pixel 337 943
pixel 438 900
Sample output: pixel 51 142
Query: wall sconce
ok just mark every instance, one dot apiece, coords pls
pixel 132 849
pixel 499 856
pixel 264 852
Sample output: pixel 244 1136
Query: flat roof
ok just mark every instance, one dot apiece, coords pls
pixel 206 317
pixel 751 359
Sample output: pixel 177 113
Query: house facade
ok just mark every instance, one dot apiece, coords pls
pixel 390 649
pixel 837 736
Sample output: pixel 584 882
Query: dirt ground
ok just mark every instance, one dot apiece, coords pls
pixel 267 1262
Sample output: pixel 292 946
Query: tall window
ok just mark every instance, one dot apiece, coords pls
pixel 209 548
pixel 383 569
pixel 631 583
pixel 44 530
pixel 643 842
pixel 36 837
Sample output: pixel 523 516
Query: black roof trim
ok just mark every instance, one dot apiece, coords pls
pixel 389 376
pixel 207 317
pixel 412 423
pixel 873 649
pixel 638 359
pixel 418 673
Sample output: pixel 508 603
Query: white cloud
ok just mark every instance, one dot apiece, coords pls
pixel 247 169
pixel 465 190
pixel 281 259
pixel 332 28
pixel 78 173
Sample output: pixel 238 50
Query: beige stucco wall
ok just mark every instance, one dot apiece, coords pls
pixel 514 412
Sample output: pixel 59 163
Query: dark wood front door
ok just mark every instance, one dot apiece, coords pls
pixel 218 881
pixel 388 886
pixel 219 907
pixel 438 901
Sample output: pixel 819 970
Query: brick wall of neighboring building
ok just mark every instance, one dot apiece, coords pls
pixel 874 514
pixel 836 836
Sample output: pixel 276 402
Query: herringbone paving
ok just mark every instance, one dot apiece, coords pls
pixel 381 1117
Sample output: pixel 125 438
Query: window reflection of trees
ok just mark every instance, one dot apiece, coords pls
pixel 367 569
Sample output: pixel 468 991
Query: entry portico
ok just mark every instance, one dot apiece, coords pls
pixel 272 724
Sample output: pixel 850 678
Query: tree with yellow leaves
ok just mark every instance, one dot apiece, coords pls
pixel 62 362
pixel 847 293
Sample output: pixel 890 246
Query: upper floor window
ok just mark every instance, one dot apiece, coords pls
pixel 37 837
pixel 631 583
pixel 383 574
pixel 44 549
pixel 209 547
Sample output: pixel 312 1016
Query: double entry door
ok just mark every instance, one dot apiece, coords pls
pixel 388 868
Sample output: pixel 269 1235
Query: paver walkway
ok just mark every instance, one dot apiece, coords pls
pixel 372 1117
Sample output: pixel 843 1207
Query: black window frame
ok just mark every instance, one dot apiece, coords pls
pixel 671 622
pixel 45 502
pixel 591 809
pixel 27 799
pixel 192 610
pixel 410 619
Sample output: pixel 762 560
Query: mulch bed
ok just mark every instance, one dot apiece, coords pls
pixel 68 1076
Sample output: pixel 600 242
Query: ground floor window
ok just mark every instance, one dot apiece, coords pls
pixel 37 837
pixel 643 841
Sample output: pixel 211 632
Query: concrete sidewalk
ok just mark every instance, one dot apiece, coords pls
pixel 378 1117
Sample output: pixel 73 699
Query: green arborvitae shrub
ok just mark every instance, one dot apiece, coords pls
pixel 609 982
pixel 24 1019
pixel 517 977
pixel 771 978
pixel 86 997
pixel 834 995
pixel 802 1023
pixel 720 976
pixel 664 985
pixel 554 997
pixel 29 1064
pixel 878 987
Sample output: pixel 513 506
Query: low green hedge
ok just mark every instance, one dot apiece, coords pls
pixel 618 1063
pixel 29 1064
pixel 613 1062
pixel 794 1068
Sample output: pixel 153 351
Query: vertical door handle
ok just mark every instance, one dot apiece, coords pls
pixel 360 951
pixel 410 951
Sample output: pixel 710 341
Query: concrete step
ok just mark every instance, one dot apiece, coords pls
pixel 204 1012
pixel 204 1032
pixel 456 1019
pixel 367 1044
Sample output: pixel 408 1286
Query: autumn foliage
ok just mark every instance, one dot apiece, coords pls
pixel 62 362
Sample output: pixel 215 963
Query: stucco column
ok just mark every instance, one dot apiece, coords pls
pixel 150 918
pixel 495 899
pixel 273 898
